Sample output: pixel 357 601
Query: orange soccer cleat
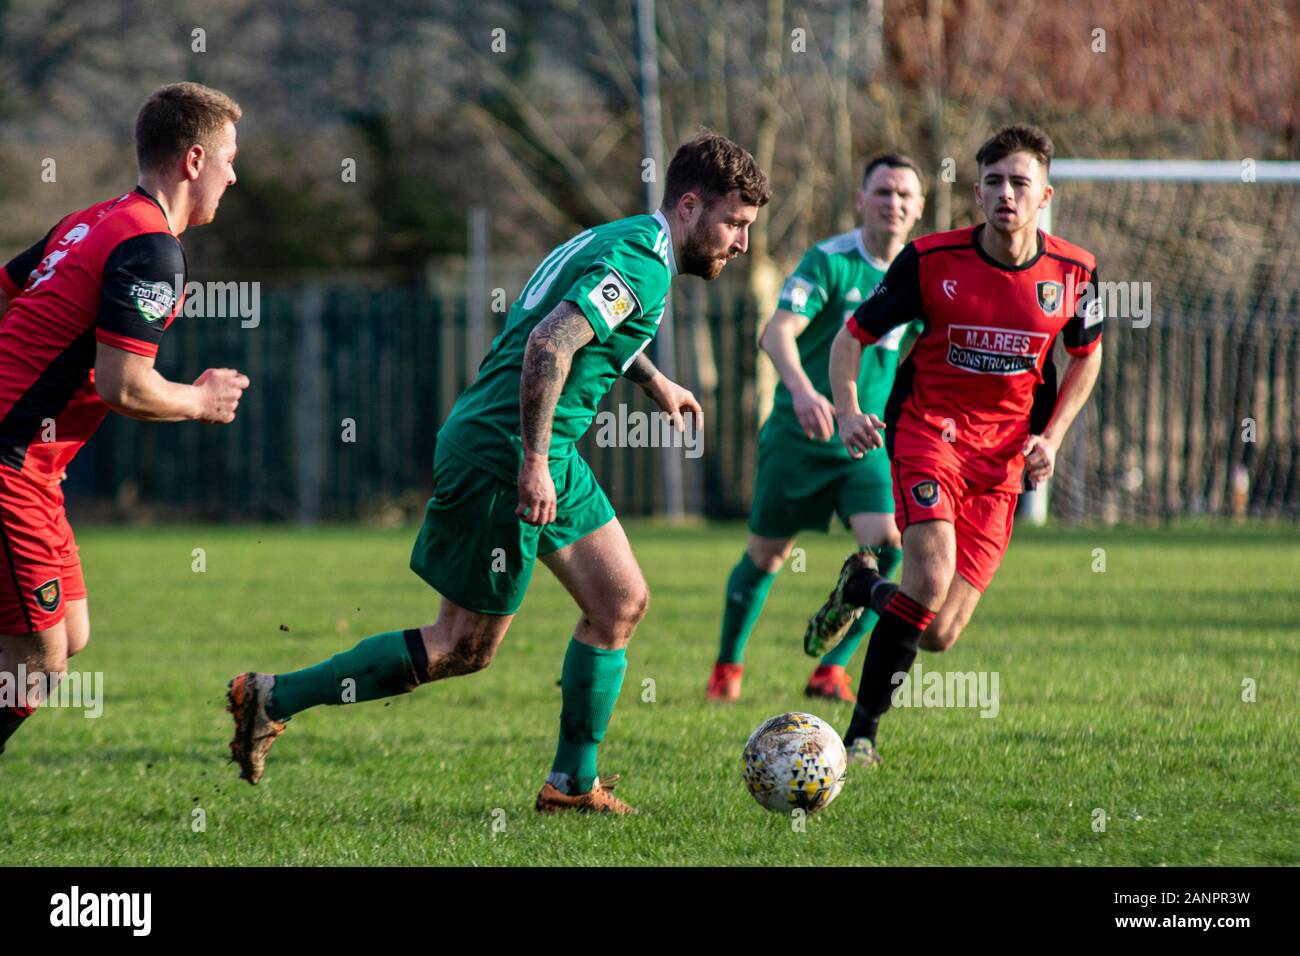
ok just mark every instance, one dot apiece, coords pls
pixel 724 682
pixel 255 731
pixel 599 799
pixel 830 681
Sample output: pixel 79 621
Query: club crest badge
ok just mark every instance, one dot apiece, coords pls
pixel 926 493
pixel 1050 295
pixel 48 594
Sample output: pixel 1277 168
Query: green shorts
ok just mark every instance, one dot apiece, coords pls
pixel 797 491
pixel 475 551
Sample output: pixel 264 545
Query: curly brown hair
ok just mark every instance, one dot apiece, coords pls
pixel 713 166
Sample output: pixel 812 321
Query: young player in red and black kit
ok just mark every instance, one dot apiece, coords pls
pixel 81 315
pixel 974 410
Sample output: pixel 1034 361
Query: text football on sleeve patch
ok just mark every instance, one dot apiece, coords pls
pixel 153 300
pixel 613 299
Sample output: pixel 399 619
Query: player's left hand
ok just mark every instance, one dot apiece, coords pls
pixel 1040 459
pixel 674 400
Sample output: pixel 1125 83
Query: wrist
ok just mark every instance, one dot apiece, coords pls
pixel 194 407
pixel 804 389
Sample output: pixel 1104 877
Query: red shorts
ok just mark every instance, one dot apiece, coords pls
pixel 40 571
pixel 935 483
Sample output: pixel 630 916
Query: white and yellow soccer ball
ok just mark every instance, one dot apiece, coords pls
pixel 794 761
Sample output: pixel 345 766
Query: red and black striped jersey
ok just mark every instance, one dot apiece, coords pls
pixel 982 369
pixel 112 273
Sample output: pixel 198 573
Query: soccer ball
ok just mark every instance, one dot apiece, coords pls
pixel 794 761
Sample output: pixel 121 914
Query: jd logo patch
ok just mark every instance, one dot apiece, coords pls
pixel 613 299
pixel 926 493
pixel 48 594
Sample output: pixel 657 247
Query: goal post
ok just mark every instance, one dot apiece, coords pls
pixel 1197 408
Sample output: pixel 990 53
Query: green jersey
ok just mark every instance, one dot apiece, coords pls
pixel 830 282
pixel 618 275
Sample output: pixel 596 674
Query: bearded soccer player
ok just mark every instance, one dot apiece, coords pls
pixel 805 474
pixel 974 411
pixel 510 488
pixel 84 310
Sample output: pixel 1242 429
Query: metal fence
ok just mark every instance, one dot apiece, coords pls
pixel 350 384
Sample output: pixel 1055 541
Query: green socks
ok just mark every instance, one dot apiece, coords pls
pixel 888 559
pixel 380 666
pixel 747 590
pixel 590 683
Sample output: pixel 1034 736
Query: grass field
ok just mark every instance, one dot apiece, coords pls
pixel 1119 690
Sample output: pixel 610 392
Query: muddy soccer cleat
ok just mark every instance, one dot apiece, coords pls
pixel 831 682
pixel 834 618
pixel 862 754
pixel 724 682
pixel 254 730
pixel 599 799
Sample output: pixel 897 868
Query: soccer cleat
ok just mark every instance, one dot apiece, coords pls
pixel 862 753
pixel 830 681
pixel 254 730
pixel 599 799
pixel 833 619
pixel 724 682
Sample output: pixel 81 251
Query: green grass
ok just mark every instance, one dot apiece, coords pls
pixel 1119 690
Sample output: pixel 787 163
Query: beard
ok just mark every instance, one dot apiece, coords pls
pixel 699 259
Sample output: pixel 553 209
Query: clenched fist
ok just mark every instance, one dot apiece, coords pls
pixel 219 392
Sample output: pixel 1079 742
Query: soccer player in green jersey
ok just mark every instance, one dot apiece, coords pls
pixel 805 475
pixel 510 488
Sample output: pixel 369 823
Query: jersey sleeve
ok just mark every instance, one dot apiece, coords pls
pixel 897 299
pixel 14 275
pixel 139 293
pixel 806 290
pixel 1083 332
pixel 914 331
pixel 628 280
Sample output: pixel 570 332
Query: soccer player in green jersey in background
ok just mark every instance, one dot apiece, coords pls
pixel 510 488
pixel 805 475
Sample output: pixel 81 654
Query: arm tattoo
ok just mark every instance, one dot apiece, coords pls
pixel 547 359
pixel 641 370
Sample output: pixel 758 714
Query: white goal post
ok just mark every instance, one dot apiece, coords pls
pixel 1158 172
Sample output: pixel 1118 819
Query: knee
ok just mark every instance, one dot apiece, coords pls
pixel 77 641
pixel 472 653
pixel 634 607
pixel 768 554
pixel 53 669
pixel 617 622
pixel 940 636
pixel 929 586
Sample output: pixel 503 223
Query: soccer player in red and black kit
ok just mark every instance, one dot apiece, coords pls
pixel 81 315
pixel 974 411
